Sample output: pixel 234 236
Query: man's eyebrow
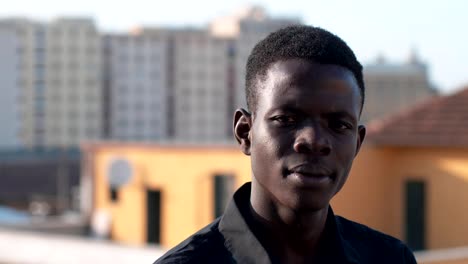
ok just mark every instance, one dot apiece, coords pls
pixel 286 107
pixel 345 114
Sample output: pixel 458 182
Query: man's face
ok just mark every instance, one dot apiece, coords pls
pixel 304 132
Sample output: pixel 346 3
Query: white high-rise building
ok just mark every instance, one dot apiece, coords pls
pixel 30 78
pixel 73 88
pixel 9 113
pixel 203 69
pixel 169 85
pixel 58 81
pixel 177 85
pixel 181 85
pixel 136 85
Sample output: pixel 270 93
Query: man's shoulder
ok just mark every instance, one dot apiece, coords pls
pixel 205 246
pixel 354 230
pixel 371 243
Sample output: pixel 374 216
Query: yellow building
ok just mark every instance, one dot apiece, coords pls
pixel 180 182
pixel 410 180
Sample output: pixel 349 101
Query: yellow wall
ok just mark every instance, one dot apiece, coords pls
pixel 367 190
pixel 446 175
pixel 373 194
pixel 183 175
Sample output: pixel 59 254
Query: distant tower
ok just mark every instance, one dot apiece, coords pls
pixel 394 87
pixel 413 57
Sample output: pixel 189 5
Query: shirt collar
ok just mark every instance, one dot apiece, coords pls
pixel 246 248
pixel 240 240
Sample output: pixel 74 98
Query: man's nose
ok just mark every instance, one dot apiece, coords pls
pixel 311 138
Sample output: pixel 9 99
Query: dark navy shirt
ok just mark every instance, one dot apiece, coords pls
pixel 232 238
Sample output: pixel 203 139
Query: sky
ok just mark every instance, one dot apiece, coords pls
pixel 436 30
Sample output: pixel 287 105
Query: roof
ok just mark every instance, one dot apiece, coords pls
pixel 38 154
pixel 395 69
pixel 438 122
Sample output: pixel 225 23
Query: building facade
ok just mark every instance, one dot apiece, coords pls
pixel 74 91
pixel 197 79
pixel 135 84
pixel 30 79
pixel 58 81
pixel 9 116
pixel 201 87
pixel 75 84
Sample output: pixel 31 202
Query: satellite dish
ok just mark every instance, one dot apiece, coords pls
pixel 120 172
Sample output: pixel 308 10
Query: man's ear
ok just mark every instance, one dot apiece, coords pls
pixel 360 139
pixel 242 126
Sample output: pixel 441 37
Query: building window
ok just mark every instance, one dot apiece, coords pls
pixel 73 82
pixel 223 190
pixel 73 32
pixel 73 131
pixel 153 212
pixel 56 32
pixel 415 214
pixel 56 50
pixel 73 66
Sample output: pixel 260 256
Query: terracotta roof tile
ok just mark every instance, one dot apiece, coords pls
pixel 441 121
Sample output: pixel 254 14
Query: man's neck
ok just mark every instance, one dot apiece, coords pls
pixel 288 233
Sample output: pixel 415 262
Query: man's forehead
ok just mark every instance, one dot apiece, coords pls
pixel 298 70
pixel 282 75
pixel 291 72
pixel 296 67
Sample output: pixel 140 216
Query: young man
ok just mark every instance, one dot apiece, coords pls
pixel 305 93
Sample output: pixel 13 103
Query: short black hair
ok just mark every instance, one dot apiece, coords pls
pixel 303 42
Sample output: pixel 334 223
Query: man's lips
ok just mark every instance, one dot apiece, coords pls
pixel 311 170
pixel 310 176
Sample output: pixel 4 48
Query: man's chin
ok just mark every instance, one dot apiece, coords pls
pixel 309 204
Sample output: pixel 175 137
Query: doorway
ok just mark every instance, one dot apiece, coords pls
pixel 153 212
pixel 415 214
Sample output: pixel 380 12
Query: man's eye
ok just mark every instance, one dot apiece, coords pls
pixel 285 120
pixel 339 125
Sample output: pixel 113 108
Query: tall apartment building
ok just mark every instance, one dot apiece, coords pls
pixel 135 86
pixel 74 89
pixel 394 87
pixel 167 85
pixel 180 85
pixel 30 80
pixel 58 81
pixel 176 85
pixel 202 81
pixel 9 115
